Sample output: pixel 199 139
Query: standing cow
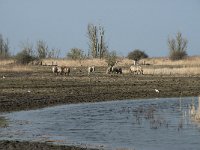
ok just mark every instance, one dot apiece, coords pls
pixel 91 69
pixel 55 69
pixel 60 70
pixel 116 69
pixel 109 70
pixel 136 69
pixel 66 70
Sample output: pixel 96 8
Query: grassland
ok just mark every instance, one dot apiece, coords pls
pixel 162 66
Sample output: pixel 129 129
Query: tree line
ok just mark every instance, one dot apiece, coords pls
pixel 97 48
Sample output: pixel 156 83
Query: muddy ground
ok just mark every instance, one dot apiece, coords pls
pixel 41 88
pixel 16 145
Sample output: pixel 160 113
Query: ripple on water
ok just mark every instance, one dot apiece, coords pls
pixel 138 124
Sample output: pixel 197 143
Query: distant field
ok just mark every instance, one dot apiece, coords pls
pixel 160 66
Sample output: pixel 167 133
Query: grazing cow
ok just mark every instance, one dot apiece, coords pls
pixel 116 69
pixel 60 70
pixel 109 70
pixel 140 70
pixel 136 69
pixel 55 69
pixel 91 69
pixel 66 70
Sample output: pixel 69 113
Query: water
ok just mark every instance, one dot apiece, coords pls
pixel 152 124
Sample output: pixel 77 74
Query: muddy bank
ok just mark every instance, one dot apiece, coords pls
pixel 16 145
pixel 31 90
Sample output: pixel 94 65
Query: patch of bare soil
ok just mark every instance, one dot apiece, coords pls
pixel 30 90
pixel 16 145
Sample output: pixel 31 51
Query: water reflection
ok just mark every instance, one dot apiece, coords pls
pixel 195 113
pixel 151 124
pixel 3 122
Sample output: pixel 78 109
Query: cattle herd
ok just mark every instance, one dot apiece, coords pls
pixel 63 70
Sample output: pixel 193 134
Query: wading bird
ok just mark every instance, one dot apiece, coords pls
pixel 157 91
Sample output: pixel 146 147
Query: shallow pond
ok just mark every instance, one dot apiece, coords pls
pixel 150 124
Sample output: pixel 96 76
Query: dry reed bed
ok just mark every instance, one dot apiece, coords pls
pixel 6 62
pixel 16 68
pixel 173 71
pixel 164 66
pixel 74 63
pixel 190 61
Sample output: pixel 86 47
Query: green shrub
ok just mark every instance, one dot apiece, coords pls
pixel 24 57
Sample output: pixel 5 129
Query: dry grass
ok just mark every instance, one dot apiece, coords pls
pixel 15 68
pixel 190 61
pixel 164 66
pixel 85 63
pixel 173 71
pixel 6 62
pixel 75 63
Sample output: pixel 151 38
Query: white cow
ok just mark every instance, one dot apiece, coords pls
pixel 60 70
pixel 91 69
pixel 136 69
pixel 54 69
pixel 66 70
pixel 109 70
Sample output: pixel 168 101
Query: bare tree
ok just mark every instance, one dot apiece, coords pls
pixel 28 47
pixel 53 53
pixel 4 47
pixel 26 55
pixel 42 49
pixel 97 44
pixel 177 47
pixel 92 35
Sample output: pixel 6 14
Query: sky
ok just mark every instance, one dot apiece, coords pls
pixel 128 24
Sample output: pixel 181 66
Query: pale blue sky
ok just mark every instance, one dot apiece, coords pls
pixel 128 24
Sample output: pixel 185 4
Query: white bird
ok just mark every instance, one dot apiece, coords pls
pixel 157 91
pixel 3 77
pixel 28 91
